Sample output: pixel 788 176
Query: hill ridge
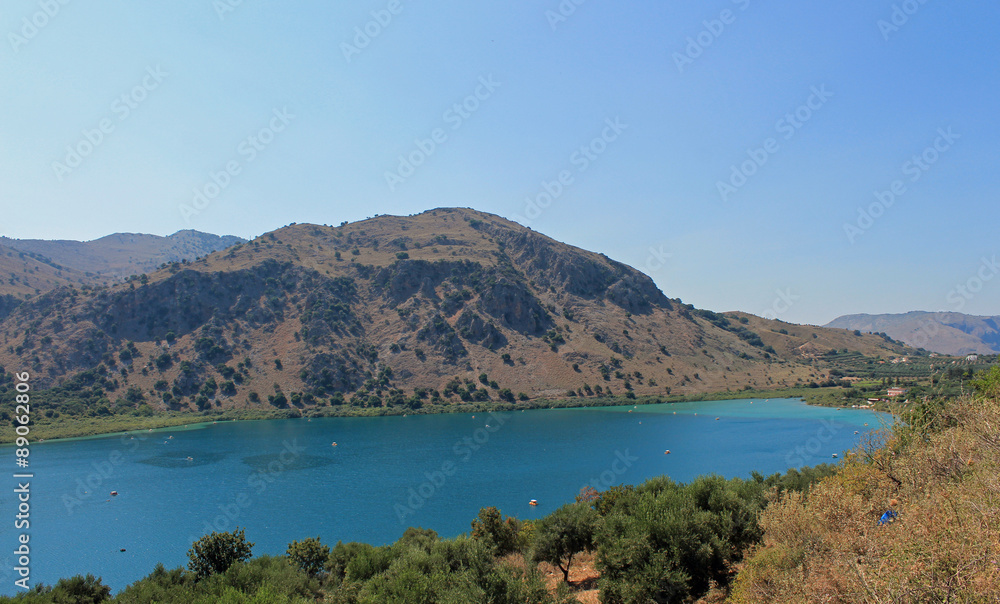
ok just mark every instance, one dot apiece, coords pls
pixel 450 305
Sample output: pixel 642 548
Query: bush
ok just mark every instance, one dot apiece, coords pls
pixel 666 542
pixel 309 555
pixel 216 552
pixel 499 534
pixel 80 590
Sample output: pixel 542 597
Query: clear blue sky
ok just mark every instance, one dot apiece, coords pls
pixel 202 79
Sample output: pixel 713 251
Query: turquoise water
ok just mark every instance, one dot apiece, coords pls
pixel 284 480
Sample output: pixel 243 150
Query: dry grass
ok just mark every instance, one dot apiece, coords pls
pixel 944 546
pixel 582 578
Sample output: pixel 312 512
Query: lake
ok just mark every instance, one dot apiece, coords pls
pixel 284 480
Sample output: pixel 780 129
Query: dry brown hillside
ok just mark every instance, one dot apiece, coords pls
pixel 25 274
pixel 390 311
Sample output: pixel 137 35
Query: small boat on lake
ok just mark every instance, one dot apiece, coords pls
pixel 533 502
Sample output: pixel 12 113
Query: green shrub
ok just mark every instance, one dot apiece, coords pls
pixel 498 534
pixel 216 552
pixel 309 555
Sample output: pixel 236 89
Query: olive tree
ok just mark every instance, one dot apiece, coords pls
pixel 564 533
pixel 216 552
pixel 309 555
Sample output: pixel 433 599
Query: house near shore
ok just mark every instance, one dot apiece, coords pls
pixel 897 391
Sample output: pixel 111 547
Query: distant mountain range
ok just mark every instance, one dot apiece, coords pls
pixel 452 303
pixel 30 267
pixel 943 332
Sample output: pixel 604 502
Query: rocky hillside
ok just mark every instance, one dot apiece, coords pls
pixel 944 332
pixel 449 305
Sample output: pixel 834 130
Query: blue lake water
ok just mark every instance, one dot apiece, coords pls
pixel 284 480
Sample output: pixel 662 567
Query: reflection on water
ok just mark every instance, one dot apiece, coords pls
pixel 276 462
pixel 183 459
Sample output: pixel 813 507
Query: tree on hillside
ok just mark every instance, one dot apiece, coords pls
pixel 309 555
pixel 987 383
pixel 79 590
pixel 564 533
pixel 216 552
pixel 491 528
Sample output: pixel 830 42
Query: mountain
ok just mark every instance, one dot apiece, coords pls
pixel 448 305
pixel 944 332
pixel 26 274
pixel 122 254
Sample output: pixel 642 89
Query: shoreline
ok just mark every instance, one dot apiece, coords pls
pixel 77 430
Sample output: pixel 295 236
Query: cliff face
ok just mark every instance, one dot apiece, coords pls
pixel 389 310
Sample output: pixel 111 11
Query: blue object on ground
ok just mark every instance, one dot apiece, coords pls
pixel 887 517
